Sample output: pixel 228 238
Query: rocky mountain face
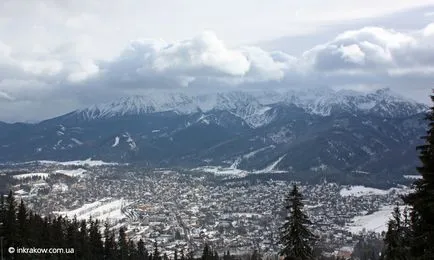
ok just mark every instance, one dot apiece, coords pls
pixel 308 132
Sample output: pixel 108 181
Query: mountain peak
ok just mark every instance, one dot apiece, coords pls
pixel 252 106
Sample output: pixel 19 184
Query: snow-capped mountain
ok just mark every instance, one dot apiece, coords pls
pixel 318 131
pixel 252 107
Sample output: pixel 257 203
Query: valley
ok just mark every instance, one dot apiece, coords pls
pixel 185 208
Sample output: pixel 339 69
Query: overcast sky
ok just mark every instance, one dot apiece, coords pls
pixel 58 55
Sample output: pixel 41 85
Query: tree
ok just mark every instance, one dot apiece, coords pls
pixel 296 238
pixel 123 244
pixel 109 243
pixel 10 224
pixel 141 250
pixel 95 240
pixel 207 253
pixel 422 199
pixel 22 224
pixel 255 255
pixel 156 255
pixel 394 239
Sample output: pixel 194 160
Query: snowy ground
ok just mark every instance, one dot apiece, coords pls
pixel 376 221
pixel 222 171
pixel 42 175
pixel 87 162
pixel 72 173
pixel 105 209
pixel 359 191
pixel 413 177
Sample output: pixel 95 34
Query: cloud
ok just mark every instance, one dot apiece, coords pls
pixel 201 58
pixel 374 54
pixel 370 56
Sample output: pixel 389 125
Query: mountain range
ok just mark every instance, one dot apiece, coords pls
pixel 304 132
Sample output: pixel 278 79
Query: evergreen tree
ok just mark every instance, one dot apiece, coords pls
pixel 22 226
pixel 141 250
pixel 95 240
pixel 109 243
pixel 156 253
pixel 296 238
pixel 393 238
pixel 71 235
pixel 422 200
pixel 207 253
pixel 10 225
pixel 123 244
pixel 83 238
pixel 255 255
pixel 227 256
pixel 132 250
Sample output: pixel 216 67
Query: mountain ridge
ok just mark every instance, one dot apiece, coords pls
pixel 310 133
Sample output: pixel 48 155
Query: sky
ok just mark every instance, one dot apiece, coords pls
pixel 60 55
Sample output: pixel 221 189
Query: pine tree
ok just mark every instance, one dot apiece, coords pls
pixel 123 244
pixel 296 238
pixel 227 256
pixel 83 238
pixel 141 250
pixel 255 255
pixel 109 243
pixel 10 225
pixel 207 253
pixel 95 240
pixel 394 237
pixel 422 200
pixel 22 224
pixel 2 222
pixel 132 250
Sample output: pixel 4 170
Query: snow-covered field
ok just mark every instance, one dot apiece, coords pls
pixel 359 191
pixel 222 171
pixel 376 221
pixel 271 168
pixel 413 177
pixel 87 162
pixel 72 173
pixel 105 209
pixel 42 175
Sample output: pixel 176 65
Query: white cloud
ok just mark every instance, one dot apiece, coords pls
pixel 370 56
pixel 376 51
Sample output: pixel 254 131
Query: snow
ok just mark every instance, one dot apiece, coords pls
pixel 87 162
pixel 271 167
pixel 376 221
pixel 116 141
pixel 235 163
pixel 254 106
pixel 359 191
pixel 72 173
pixel 218 170
pixel 413 177
pixel 21 192
pixel 78 142
pixel 42 175
pixel 104 209
pixel 253 153
pixel 60 187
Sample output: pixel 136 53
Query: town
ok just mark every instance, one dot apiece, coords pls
pixel 184 209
